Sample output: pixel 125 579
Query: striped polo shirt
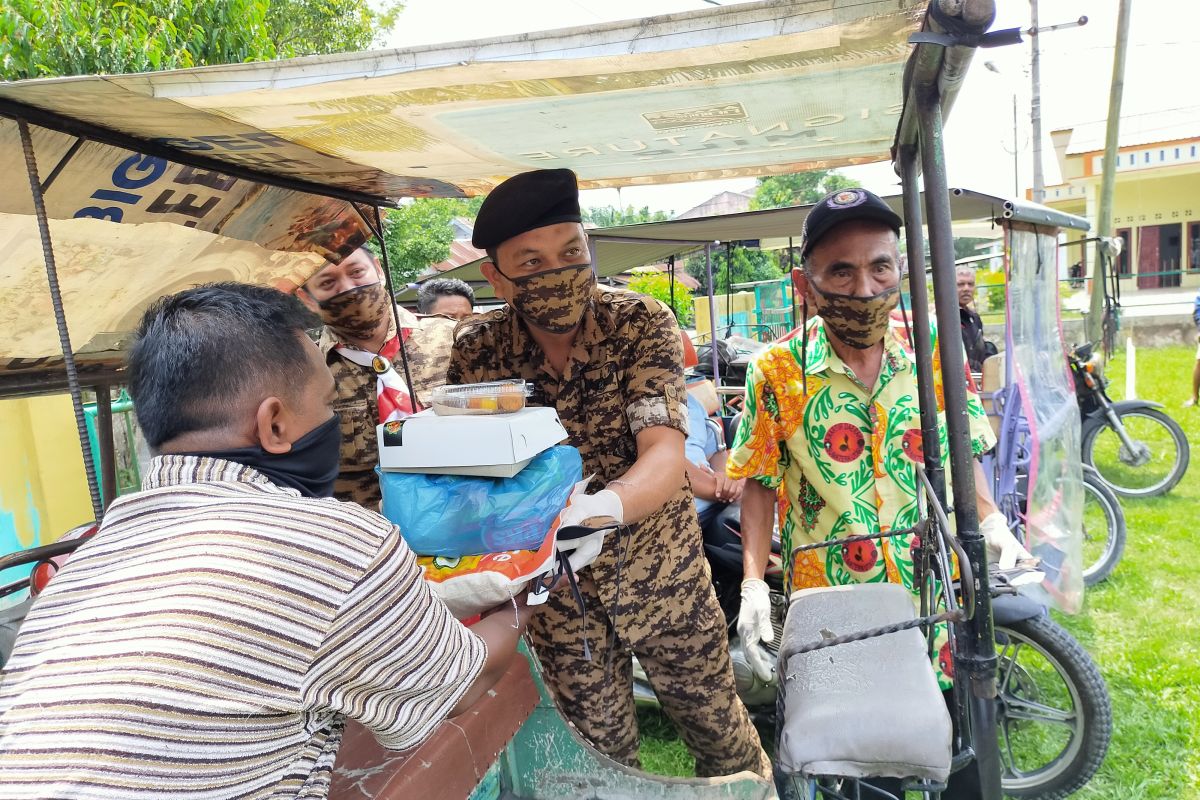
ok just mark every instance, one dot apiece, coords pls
pixel 211 638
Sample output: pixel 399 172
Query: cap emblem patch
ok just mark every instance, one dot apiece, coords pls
pixel 847 199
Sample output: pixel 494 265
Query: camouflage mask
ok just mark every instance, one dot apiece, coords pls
pixel 555 300
pixel 356 313
pixel 858 321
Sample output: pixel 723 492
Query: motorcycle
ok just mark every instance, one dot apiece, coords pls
pixel 1135 447
pixel 1053 708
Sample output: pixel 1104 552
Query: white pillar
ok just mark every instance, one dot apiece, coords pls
pixel 1130 368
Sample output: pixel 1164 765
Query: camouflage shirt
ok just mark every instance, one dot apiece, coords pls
pixel 624 374
pixel 428 348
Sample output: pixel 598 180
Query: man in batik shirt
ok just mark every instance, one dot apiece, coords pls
pixel 840 438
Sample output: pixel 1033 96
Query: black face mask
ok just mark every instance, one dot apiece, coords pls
pixel 310 467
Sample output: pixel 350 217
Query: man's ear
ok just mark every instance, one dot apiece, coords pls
pixel 307 300
pixel 801 282
pixel 272 423
pixel 500 284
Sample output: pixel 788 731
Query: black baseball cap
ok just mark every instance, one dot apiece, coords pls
pixel 845 205
pixel 524 202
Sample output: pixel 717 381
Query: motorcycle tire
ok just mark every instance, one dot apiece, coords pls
pixel 1111 471
pixel 1100 498
pixel 1057 651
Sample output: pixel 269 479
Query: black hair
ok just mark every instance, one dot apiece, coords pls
pixel 429 292
pixel 198 351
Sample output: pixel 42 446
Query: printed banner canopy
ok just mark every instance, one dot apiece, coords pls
pixel 263 172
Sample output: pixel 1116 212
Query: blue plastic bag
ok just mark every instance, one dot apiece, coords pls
pixel 458 515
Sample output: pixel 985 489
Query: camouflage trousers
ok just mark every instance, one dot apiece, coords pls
pixel 688 666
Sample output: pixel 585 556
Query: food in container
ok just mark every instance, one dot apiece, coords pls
pixel 497 397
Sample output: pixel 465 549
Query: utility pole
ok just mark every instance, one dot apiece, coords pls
pixel 1016 159
pixel 1039 179
pixel 1108 181
pixel 991 66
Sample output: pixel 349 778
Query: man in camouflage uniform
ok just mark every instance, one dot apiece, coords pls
pixel 611 363
pixel 352 300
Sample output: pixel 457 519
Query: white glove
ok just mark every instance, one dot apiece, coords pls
pixel 1005 550
pixel 583 551
pixel 754 626
pixel 603 506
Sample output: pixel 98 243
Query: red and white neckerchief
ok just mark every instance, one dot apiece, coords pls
pixel 391 393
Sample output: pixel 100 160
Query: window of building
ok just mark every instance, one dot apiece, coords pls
pixel 1177 152
pixel 1147 159
pixel 1193 247
pixel 1125 261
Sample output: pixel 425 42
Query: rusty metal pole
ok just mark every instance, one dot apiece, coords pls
pixel 1108 180
pixel 104 439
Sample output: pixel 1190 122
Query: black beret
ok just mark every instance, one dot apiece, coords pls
pixel 524 202
pixel 844 206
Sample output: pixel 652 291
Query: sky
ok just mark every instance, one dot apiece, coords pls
pixel 1076 68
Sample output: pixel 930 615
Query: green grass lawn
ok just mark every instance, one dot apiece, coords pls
pixel 1142 626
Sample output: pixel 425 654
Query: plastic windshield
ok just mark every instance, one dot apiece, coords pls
pixel 1049 443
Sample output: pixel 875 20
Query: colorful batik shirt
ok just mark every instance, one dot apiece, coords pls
pixel 843 458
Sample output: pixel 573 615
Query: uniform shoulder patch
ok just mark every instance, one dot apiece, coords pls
pixel 477 326
pixel 619 297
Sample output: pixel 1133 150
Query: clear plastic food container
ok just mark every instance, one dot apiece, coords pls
pixel 498 397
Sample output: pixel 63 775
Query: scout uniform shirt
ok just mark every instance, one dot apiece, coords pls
pixel 427 343
pixel 845 458
pixel 625 374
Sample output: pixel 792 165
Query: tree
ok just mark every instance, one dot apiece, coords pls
pixel 749 265
pixel 608 216
pixel 419 234
pixel 799 188
pixel 967 246
pixel 658 286
pixel 43 38
pixel 315 27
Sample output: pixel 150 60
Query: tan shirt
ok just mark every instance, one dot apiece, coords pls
pixel 428 347
pixel 625 374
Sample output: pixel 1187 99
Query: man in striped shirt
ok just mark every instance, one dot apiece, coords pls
pixel 210 640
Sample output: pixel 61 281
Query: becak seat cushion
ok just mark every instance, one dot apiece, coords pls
pixel 869 708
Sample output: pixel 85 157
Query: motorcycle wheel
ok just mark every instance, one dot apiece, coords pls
pixel 1127 473
pixel 1054 715
pixel 1103 529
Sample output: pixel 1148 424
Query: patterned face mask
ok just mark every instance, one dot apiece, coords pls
pixel 356 313
pixel 556 299
pixel 858 321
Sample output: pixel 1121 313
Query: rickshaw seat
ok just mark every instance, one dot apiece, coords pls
pixel 864 709
pixel 992 380
pixel 11 618
pixel 993 374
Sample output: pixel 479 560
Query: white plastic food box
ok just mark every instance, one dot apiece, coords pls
pixel 493 445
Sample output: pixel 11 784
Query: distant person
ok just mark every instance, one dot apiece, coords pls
pixel 706 454
pixel 448 297
pixel 978 348
pixel 1196 369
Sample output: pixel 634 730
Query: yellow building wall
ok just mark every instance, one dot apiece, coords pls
pixel 1164 196
pixel 741 302
pixel 43 486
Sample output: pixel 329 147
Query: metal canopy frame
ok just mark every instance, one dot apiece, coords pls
pixel 935 71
